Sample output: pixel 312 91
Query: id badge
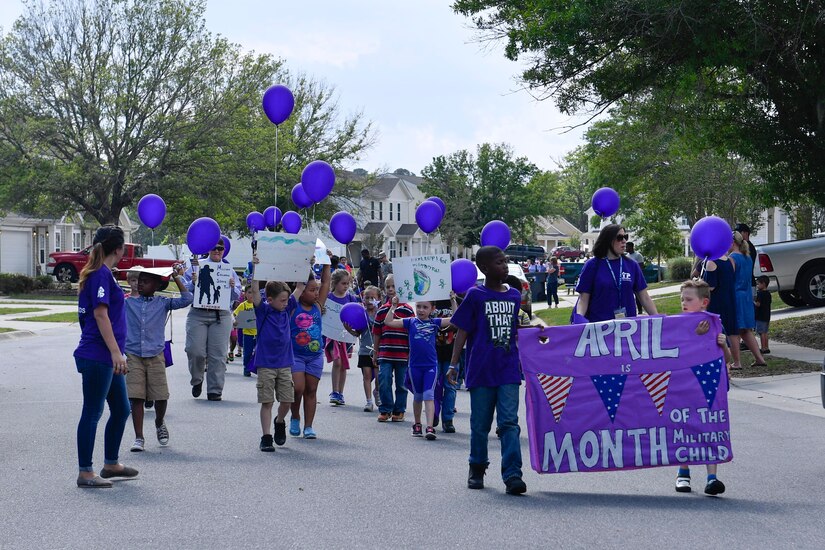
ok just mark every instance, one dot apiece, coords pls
pixel 619 313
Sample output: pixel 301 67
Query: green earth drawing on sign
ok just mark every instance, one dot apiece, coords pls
pixel 422 282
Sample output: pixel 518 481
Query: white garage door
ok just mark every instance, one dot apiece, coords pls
pixel 16 252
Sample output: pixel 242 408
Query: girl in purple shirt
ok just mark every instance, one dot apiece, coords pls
pixel 100 359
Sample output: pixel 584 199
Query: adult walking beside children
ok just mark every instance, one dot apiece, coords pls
pixel 745 314
pixel 610 283
pixel 207 334
pixel 100 359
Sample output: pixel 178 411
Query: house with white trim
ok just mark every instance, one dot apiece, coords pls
pixel 26 240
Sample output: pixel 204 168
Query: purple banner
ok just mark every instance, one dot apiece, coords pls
pixel 625 394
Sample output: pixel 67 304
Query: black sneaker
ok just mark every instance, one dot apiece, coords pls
pixel 683 484
pixel 515 486
pixel 417 430
pixel 148 404
pixel 280 433
pixel 714 488
pixel 448 427
pixel 430 433
pixel 266 444
pixel 213 396
pixel 196 389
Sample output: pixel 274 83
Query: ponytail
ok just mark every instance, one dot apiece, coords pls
pixel 108 238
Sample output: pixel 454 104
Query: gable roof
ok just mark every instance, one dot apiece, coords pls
pixel 386 184
pixel 407 230
pixel 556 227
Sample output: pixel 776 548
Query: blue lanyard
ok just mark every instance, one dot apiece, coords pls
pixel 618 282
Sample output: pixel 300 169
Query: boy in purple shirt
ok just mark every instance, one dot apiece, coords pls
pixel 487 322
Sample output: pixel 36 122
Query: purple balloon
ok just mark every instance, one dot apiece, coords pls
pixel 278 103
pixel 203 235
pixel 291 221
pixel 495 233
pixel 354 315
pixel 227 244
pixel 428 216
pixel 299 196
pixel 151 210
pixel 255 221
pixel 272 217
pixel 605 202
pixel 318 179
pixel 343 227
pixel 440 204
pixel 464 274
pixel 710 238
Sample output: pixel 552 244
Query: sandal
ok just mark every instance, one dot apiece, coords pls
pixel 736 367
pixel 755 364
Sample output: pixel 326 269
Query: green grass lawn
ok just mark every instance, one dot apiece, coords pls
pixel 776 366
pixel 4 329
pixel 10 310
pixel 66 317
pixel 807 331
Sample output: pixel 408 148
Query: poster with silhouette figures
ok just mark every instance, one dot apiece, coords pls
pixel 284 256
pixel 212 287
pixel 422 277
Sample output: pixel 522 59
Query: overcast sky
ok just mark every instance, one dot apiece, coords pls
pixel 413 67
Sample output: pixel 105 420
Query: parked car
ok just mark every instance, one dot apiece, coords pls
pixel 66 266
pixel 524 252
pixel 796 270
pixel 526 297
pixel 571 270
pixel 567 253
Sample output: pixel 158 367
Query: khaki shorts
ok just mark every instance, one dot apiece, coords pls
pixel 275 384
pixel 146 378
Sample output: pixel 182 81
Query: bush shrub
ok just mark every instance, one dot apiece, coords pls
pixel 14 283
pixel 43 282
pixel 678 269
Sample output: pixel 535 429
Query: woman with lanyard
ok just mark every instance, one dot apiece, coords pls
pixel 207 333
pixel 610 283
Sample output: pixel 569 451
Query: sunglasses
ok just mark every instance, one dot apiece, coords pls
pixel 218 248
pixel 621 237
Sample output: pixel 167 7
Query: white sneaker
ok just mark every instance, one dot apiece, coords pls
pixel 368 406
pixel 137 446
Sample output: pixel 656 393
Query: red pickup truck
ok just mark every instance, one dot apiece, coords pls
pixel 66 266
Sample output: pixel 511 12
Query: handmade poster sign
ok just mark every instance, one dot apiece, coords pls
pixel 284 257
pixel 331 325
pixel 321 256
pixel 246 319
pixel 422 277
pixel 212 288
pixel 623 394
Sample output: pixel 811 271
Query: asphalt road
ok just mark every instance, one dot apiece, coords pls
pixel 363 484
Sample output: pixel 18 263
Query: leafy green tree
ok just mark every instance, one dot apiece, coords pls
pixel 653 224
pixel 752 74
pixel 103 101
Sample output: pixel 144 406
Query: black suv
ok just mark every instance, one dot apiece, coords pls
pixel 523 252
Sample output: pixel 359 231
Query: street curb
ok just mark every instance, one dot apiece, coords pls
pixel 16 334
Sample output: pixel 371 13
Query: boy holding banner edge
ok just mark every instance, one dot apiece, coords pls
pixel 487 322
pixel 695 297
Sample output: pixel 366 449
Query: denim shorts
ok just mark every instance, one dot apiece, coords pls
pixel 312 365
pixel 762 327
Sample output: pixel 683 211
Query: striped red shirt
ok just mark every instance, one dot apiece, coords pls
pixel 395 345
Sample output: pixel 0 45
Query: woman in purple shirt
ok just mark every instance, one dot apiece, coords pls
pixel 100 359
pixel 610 282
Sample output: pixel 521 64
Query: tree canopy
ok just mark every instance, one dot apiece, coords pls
pixel 103 101
pixel 752 73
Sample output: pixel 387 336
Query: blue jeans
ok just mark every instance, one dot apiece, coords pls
pixel 386 371
pixel 248 349
pixel 552 292
pixel 100 384
pixel 448 400
pixel 504 401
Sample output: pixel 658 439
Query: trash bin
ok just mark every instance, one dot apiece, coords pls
pixel 537 286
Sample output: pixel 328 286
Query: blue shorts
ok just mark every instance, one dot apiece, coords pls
pixel 313 365
pixel 422 382
pixel 762 327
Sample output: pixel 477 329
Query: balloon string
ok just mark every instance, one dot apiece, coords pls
pixel 276 163
pixel 704 268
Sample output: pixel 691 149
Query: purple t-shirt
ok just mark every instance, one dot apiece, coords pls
pixel 100 288
pixel 490 319
pixel 274 343
pixel 602 278
pixel 422 342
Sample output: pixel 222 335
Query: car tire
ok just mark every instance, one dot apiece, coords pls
pixel 65 273
pixel 790 298
pixel 811 286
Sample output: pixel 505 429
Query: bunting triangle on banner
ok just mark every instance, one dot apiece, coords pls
pixel 656 384
pixel 556 389
pixel 709 374
pixel 610 387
